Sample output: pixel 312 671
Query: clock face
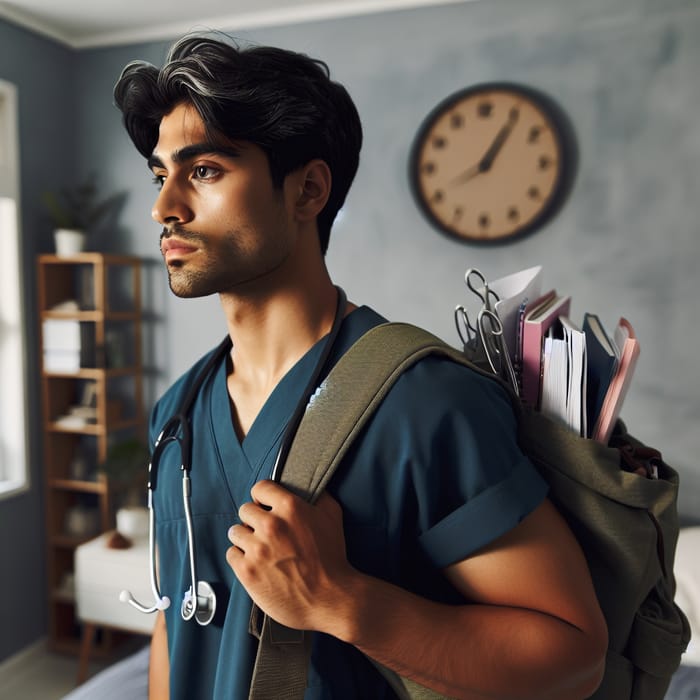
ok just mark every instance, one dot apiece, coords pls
pixel 487 164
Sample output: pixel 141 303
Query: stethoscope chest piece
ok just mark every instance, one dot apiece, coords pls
pixel 205 606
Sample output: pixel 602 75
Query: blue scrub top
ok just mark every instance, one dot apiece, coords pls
pixel 435 475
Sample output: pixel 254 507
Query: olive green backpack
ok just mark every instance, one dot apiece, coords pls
pixel 626 523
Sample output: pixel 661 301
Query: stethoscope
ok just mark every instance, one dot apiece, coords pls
pixel 202 605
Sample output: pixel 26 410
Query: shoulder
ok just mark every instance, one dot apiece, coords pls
pixel 435 388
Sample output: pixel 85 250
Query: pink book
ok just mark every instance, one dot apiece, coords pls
pixel 538 318
pixel 628 345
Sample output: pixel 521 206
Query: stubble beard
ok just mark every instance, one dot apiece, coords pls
pixel 214 271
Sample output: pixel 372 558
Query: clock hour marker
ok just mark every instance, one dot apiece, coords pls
pixel 484 220
pixel 438 196
pixel 456 120
pixel 513 214
pixel 484 109
pixel 457 213
pixel 534 134
pixel 428 168
pixel 439 142
pixel 544 162
pixel 533 192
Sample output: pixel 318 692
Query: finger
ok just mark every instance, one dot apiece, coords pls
pixel 240 536
pixel 268 493
pixel 251 514
pixel 328 504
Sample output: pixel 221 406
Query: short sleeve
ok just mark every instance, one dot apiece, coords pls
pixel 466 473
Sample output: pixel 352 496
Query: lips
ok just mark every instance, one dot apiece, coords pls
pixel 175 248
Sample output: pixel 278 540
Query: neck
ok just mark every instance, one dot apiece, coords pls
pixel 269 337
pixel 270 334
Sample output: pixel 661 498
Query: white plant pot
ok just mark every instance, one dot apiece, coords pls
pixel 132 521
pixel 68 241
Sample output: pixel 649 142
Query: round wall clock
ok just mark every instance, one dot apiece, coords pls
pixel 491 162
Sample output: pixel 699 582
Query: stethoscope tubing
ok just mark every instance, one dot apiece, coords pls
pixel 200 600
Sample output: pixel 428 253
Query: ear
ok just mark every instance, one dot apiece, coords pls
pixel 313 187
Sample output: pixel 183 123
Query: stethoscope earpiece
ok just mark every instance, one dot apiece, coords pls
pixel 162 602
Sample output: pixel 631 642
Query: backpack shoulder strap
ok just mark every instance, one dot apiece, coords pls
pixel 349 396
pixel 335 415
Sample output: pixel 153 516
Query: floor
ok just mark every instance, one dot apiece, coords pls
pixel 37 674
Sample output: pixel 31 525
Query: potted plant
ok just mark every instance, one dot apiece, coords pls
pixel 74 211
pixel 126 467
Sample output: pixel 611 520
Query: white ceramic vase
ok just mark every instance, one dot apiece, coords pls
pixel 69 241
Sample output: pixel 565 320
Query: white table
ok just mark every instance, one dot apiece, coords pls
pixel 101 574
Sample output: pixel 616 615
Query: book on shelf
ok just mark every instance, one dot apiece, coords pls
pixel 537 320
pixel 603 359
pixel 628 346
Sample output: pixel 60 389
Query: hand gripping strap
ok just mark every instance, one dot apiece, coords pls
pixel 335 415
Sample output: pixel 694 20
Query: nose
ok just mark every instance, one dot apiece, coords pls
pixel 171 205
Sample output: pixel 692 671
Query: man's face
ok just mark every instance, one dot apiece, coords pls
pixel 225 227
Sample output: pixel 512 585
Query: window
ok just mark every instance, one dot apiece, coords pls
pixel 13 444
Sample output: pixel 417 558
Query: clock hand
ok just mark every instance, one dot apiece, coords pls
pixel 467 174
pixel 487 160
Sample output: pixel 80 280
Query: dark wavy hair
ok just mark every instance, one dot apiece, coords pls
pixel 282 101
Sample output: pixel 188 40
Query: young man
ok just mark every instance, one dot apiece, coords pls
pixel 435 551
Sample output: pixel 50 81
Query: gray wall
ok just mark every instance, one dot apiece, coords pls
pixel 626 243
pixel 43 73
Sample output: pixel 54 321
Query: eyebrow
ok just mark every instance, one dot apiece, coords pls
pixel 193 151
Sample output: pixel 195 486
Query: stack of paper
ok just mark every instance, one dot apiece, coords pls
pixel 514 292
pixel 61 345
pixel 564 375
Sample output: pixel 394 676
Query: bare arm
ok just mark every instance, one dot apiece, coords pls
pixel 532 630
pixel 159 667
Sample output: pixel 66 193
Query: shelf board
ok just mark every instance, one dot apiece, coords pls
pixel 95 373
pixel 89 257
pixel 95 429
pixel 91 315
pixel 77 485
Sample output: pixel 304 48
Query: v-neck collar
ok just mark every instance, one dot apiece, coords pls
pixel 265 433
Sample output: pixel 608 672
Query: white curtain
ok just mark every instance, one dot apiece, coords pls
pixel 13 453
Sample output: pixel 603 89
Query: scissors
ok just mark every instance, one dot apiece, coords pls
pixel 484 293
pixel 485 336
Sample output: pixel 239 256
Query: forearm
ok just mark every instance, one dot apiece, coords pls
pixel 470 651
pixel 159 664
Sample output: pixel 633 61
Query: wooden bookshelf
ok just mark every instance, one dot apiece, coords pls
pixel 87 407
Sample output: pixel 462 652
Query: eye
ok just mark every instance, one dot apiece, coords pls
pixel 205 172
pixel 158 181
